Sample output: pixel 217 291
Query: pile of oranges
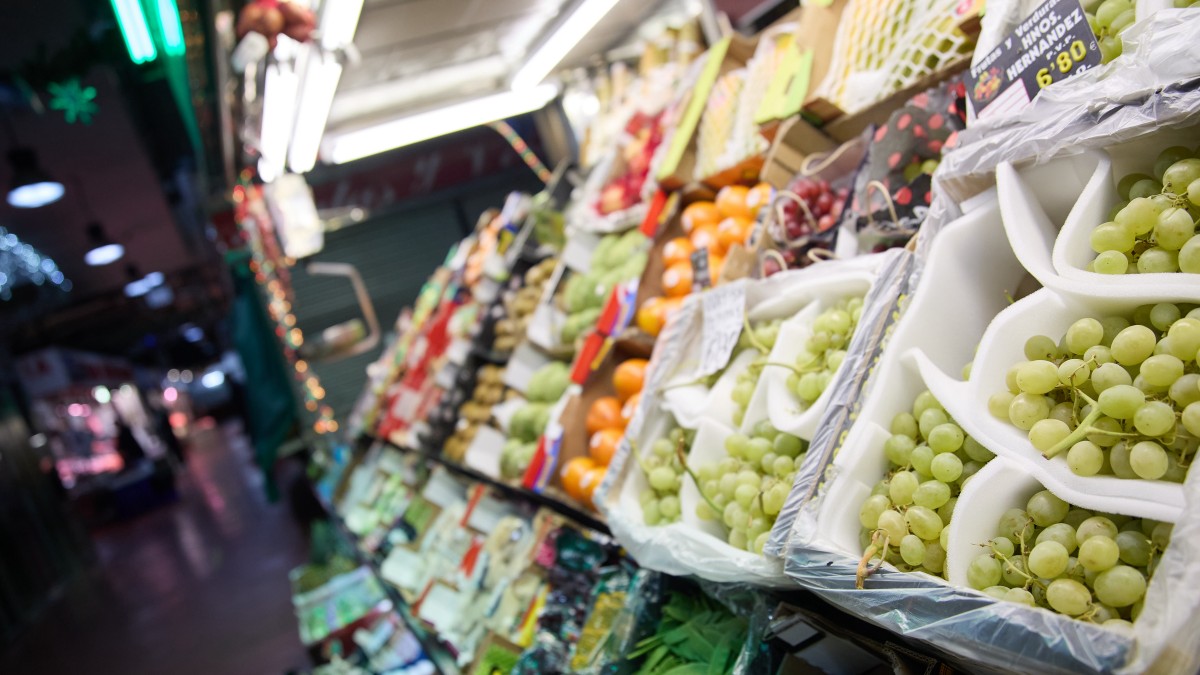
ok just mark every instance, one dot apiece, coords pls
pixel 715 226
pixel 606 421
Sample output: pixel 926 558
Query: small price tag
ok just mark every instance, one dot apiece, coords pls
pixel 1050 45
pixel 701 278
pixel 724 308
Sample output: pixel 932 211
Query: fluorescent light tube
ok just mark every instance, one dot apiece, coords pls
pixel 135 30
pixel 551 52
pixel 339 22
pixel 172 30
pixel 278 115
pixel 321 75
pixel 397 133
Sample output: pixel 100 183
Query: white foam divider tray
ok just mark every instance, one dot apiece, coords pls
pixel 964 285
pixel 1050 209
pixel 708 446
pixel 1042 313
pixel 692 403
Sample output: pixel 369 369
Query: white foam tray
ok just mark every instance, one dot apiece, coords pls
pixel 1046 313
pixel 692 403
pixel 964 285
pixel 1050 209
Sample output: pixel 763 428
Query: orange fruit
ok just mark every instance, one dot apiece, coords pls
pixel 604 412
pixel 758 197
pixel 652 315
pixel 629 377
pixel 704 237
pixel 591 480
pixel 669 305
pixel 630 408
pixel 731 201
pixel 699 214
pixel 677 280
pixel 679 249
pixel 573 473
pixel 733 231
pixel 603 445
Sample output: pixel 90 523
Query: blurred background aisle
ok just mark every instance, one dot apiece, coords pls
pixel 199 586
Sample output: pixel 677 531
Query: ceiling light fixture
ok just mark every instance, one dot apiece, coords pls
pixel 103 250
pixel 551 52
pixel 135 30
pixel 141 285
pixel 31 185
pixel 439 122
pixel 319 81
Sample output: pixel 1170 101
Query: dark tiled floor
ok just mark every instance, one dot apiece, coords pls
pixel 199 586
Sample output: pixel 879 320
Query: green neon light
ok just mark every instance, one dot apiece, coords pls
pixel 172 30
pixel 77 102
pixel 135 30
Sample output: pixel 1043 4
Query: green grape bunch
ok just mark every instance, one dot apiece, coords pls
pixel 1153 228
pixel 1121 397
pixel 930 459
pixel 663 468
pixel 825 350
pixel 748 488
pixel 1091 566
pixel 1110 19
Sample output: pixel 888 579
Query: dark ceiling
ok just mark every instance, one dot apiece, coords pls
pixel 134 168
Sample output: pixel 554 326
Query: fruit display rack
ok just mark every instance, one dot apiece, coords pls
pixel 935 372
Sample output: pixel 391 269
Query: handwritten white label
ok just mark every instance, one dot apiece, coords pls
pixel 724 308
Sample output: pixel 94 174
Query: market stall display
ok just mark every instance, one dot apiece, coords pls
pixel 940 372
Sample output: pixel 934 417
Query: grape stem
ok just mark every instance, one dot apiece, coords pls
pixel 864 565
pixel 678 385
pixel 750 335
pixel 679 452
pixel 1080 432
pixel 784 365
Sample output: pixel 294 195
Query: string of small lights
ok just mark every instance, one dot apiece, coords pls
pixel 531 159
pixel 270 269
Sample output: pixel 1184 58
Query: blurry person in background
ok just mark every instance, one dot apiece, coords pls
pixel 49 469
pixel 160 417
pixel 127 446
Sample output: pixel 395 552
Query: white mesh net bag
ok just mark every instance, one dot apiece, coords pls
pixel 883 46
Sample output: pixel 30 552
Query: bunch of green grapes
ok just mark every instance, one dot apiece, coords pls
pixel 664 472
pixel 929 461
pixel 761 337
pixel 1185 4
pixel 825 350
pixel 1094 567
pixel 1120 397
pixel 1154 228
pixel 747 489
pixel 1111 17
